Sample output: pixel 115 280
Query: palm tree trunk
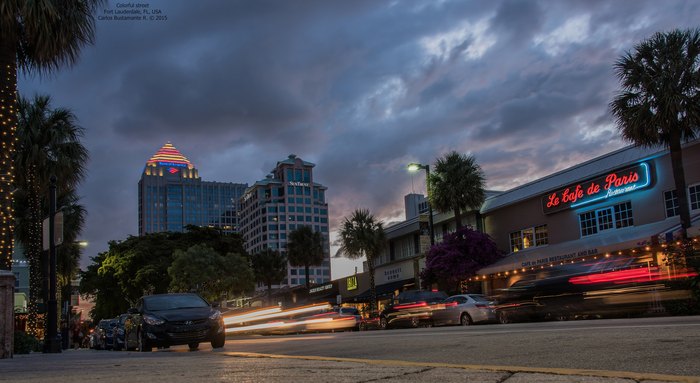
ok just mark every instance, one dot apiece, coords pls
pixel 34 251
pixel 458 217
pixel 8 122
pixel 372 288
pixel 269 292
pixel 308 284
pixel 679 178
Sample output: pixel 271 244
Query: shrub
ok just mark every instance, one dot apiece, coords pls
pixel 25 343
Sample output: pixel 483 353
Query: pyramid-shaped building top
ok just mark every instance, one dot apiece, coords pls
pixel 168 155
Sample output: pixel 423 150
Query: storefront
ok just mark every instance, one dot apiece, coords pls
pixel 621 205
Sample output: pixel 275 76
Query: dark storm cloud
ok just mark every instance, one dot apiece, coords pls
pixel 361 88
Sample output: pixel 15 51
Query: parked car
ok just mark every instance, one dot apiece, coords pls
pixel 465 309
pixel 173 319
pixel 411 308
pixel 105 329
pixel 125 333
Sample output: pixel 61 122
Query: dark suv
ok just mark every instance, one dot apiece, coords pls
pixel 411 308
pixel 171 319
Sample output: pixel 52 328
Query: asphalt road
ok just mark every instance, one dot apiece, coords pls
pixel 666 345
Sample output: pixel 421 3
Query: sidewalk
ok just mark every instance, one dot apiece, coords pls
pixel 179 365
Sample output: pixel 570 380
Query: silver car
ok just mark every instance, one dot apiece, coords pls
pixel 465 310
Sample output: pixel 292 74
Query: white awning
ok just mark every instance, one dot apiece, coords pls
pixel 614 240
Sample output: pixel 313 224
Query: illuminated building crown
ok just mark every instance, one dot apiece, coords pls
pixel 168 155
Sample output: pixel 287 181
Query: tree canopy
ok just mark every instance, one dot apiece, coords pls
pixel 459 256
pixel 457 184
pixel 659 103
pixel 305 248
pixel 139 266
pixel 362 235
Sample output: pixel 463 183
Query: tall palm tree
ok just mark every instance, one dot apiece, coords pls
pixel 362 235
pixel 456 184
pixel 659 103
pixel 35 36
pixel 48 143
pixel 305 248
pixel 269 267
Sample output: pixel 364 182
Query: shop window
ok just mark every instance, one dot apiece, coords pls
pixel 671 203
pixel 541 235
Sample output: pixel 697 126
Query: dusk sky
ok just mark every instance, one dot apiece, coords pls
pixel 361 88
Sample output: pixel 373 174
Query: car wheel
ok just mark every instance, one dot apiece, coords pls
pixel 465 320
pixel 193 346
pixel 503 317
pixel 218 341
pixel 362 327
pixel 415 322
pixel 383 323
pixel 143 345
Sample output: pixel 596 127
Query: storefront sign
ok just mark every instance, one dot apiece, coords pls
pixel 295 183
pixel 320 288
pixel 616 183
pixel 559 258
pixel 351 282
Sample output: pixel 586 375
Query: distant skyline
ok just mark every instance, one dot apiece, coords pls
pixel 360 88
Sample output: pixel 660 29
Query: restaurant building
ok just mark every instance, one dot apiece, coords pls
pixel 622 204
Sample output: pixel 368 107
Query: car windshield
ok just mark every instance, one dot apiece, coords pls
pixel 173 302
pixel 479 298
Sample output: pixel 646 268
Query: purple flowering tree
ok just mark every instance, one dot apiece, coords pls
pixel 458 257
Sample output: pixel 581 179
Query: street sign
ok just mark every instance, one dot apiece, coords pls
pixel 57 230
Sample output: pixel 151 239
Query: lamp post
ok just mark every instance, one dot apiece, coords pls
pixel 412 168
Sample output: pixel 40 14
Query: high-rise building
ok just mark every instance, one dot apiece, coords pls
pixel 172 196
pixel 275 206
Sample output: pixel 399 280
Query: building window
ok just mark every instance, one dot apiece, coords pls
pixel 694 194
pixel 530 237
pixel 607 218
pixel 671 203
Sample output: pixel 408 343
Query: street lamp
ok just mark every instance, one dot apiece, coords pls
pixel 412 167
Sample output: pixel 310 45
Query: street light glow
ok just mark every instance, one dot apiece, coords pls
pixel 415 167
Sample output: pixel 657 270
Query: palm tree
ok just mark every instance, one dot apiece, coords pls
pixel 269 267
pixel 660 99
pixel 456 184
pixel 362 235
pixel 36 36
pixel 305 248
pixel 48 143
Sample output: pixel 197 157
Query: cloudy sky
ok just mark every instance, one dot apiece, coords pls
pixel 361 88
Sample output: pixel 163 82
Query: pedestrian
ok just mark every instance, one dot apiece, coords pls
pixel 77 337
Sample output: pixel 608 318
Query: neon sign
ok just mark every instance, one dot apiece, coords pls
pixel 178 164
pixel 172 170
pixel 613 184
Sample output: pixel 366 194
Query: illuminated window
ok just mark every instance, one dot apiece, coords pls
pixel 530 237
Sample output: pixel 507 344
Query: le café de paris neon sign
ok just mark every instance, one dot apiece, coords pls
pixel 612 184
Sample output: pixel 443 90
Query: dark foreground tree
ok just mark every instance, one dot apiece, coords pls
pixel 48 143
pixel 659 103
pixel 456 184
pixel 458 257
pixel 36 36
